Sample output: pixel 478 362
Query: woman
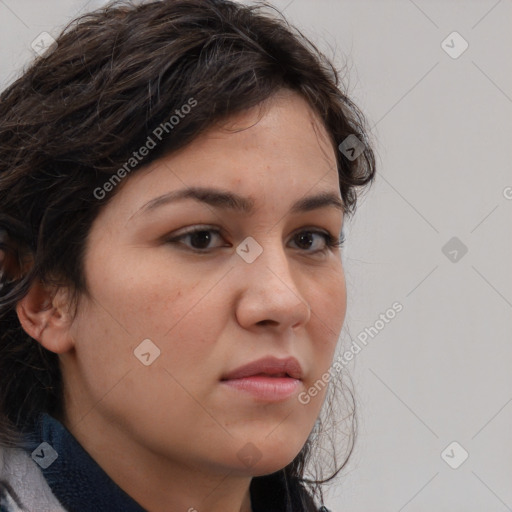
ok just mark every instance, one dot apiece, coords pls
pixel 174 178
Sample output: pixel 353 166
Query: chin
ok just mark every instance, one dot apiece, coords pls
pixel 258 460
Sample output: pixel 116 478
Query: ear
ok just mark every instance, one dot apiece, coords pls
pixel 44 315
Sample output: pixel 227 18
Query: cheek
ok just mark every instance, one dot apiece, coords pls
pixel 131 301
pixel 328 309
pixel 146 295
pixel 329 305
pixel 181 312
pixel 180 316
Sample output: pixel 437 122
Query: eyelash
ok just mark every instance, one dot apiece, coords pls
pixel 331 242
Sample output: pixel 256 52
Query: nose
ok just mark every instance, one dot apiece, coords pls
pixel 269 294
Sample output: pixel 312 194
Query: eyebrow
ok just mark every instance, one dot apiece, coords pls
pixel 228 200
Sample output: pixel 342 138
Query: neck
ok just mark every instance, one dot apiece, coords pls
pixel 158 483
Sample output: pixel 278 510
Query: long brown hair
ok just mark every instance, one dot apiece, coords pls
pixel 75 116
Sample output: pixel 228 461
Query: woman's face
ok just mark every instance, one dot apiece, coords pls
pixel 211 302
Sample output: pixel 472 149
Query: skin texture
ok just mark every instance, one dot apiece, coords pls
pixel 169 433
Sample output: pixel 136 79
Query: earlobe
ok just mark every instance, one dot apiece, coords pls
pixel 45 317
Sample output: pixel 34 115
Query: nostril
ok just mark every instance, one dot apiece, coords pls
pixel 267 322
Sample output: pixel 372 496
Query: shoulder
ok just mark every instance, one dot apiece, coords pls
pixel 23 487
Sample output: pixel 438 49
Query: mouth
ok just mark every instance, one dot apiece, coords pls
pixel 267 380
pixel 265 388
pixel 269 366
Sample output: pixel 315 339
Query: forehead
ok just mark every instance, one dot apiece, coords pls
pixel 276 150
pixel 280 130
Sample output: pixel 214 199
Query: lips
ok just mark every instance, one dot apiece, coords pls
pixel 268 366
pixel 267 380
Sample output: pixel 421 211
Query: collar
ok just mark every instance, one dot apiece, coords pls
pixel 75 479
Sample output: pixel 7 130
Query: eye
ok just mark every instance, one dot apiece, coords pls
pixel 200 239
pixel 306 239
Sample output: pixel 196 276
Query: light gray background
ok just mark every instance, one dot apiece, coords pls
pixel 440 370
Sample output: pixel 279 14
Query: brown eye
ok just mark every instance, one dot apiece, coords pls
pixel 198 239
pixel 306 240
